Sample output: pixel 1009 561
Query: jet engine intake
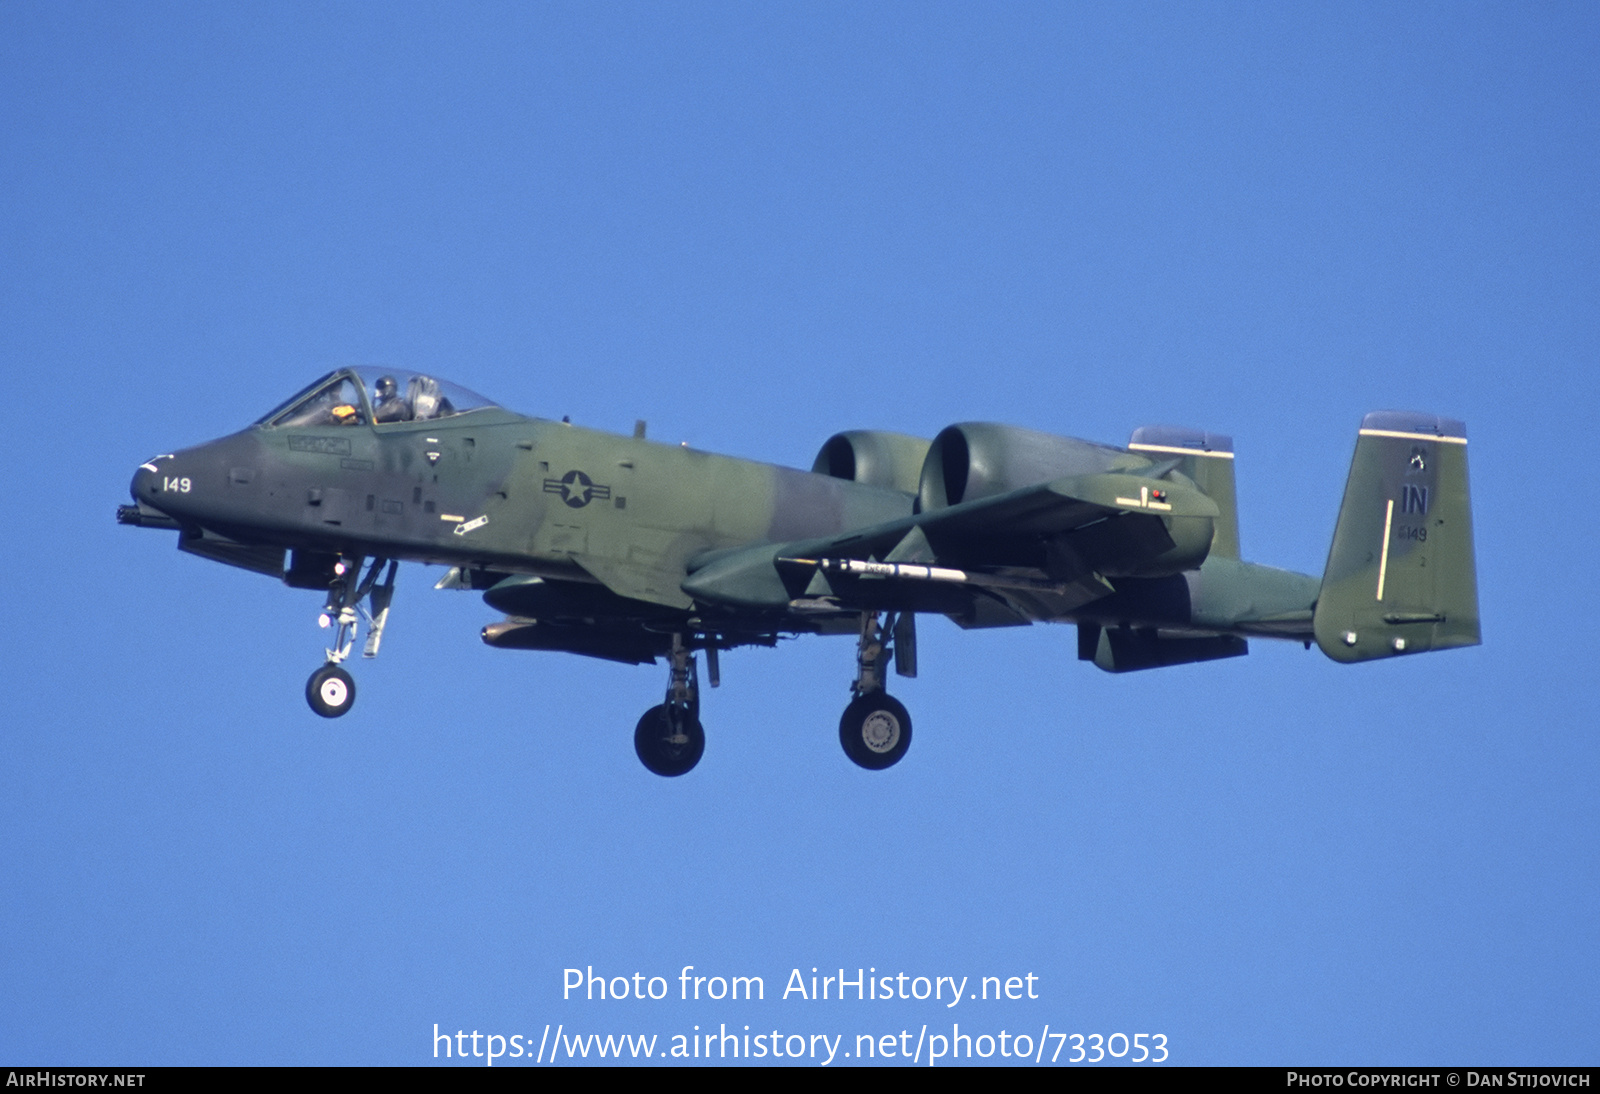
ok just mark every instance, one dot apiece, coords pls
pixel 873 458
pixel 975 460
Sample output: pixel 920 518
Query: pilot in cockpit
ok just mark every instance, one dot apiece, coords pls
pixel 389 406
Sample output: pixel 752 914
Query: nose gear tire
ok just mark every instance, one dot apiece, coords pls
pixel 331 691
pixel 875 731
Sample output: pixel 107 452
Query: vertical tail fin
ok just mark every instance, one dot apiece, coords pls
pixel 1401 577
pixel 1208 460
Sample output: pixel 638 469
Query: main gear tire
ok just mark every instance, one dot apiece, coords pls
pixel 875 731
pixel 669 743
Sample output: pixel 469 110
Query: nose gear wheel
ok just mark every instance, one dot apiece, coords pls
pixel 331 691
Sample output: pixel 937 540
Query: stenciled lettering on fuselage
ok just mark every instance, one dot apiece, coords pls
pixel 328 446
pixel 577 489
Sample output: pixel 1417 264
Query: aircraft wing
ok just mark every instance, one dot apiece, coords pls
pixel 1033 553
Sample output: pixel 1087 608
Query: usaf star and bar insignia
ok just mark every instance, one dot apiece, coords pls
pixel 577 489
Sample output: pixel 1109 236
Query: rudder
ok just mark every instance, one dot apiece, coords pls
pixel 1401 575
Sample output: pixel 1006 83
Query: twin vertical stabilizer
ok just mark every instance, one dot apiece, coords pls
pixel 1401 577
pixel 1208 460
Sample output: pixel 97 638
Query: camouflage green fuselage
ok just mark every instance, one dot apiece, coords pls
pixel 496 491
pixel 608 545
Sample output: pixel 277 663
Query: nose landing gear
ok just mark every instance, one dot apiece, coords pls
pixel 331 691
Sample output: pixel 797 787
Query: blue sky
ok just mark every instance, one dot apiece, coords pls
pixel 755 225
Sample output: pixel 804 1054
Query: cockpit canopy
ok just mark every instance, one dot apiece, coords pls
pixel 358 396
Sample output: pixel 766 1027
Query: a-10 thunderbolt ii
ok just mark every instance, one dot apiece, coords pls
pixel 625 549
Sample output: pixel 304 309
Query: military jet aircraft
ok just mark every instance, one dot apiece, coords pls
pixel 621 548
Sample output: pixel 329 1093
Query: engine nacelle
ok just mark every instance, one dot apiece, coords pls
pixel 873 458
pixel 975 460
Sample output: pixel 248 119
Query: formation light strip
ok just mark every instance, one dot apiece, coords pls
pixel 1176 451
pixel 1412 436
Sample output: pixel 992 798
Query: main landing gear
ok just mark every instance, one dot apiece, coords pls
pixel 331 691
pixel 875 729
pixel 669 738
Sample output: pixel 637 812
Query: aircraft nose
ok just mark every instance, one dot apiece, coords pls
pixel 147 480
pixel 142 486
pixel 145 487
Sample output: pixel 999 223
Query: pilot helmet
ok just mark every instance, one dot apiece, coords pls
pixel 386 387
